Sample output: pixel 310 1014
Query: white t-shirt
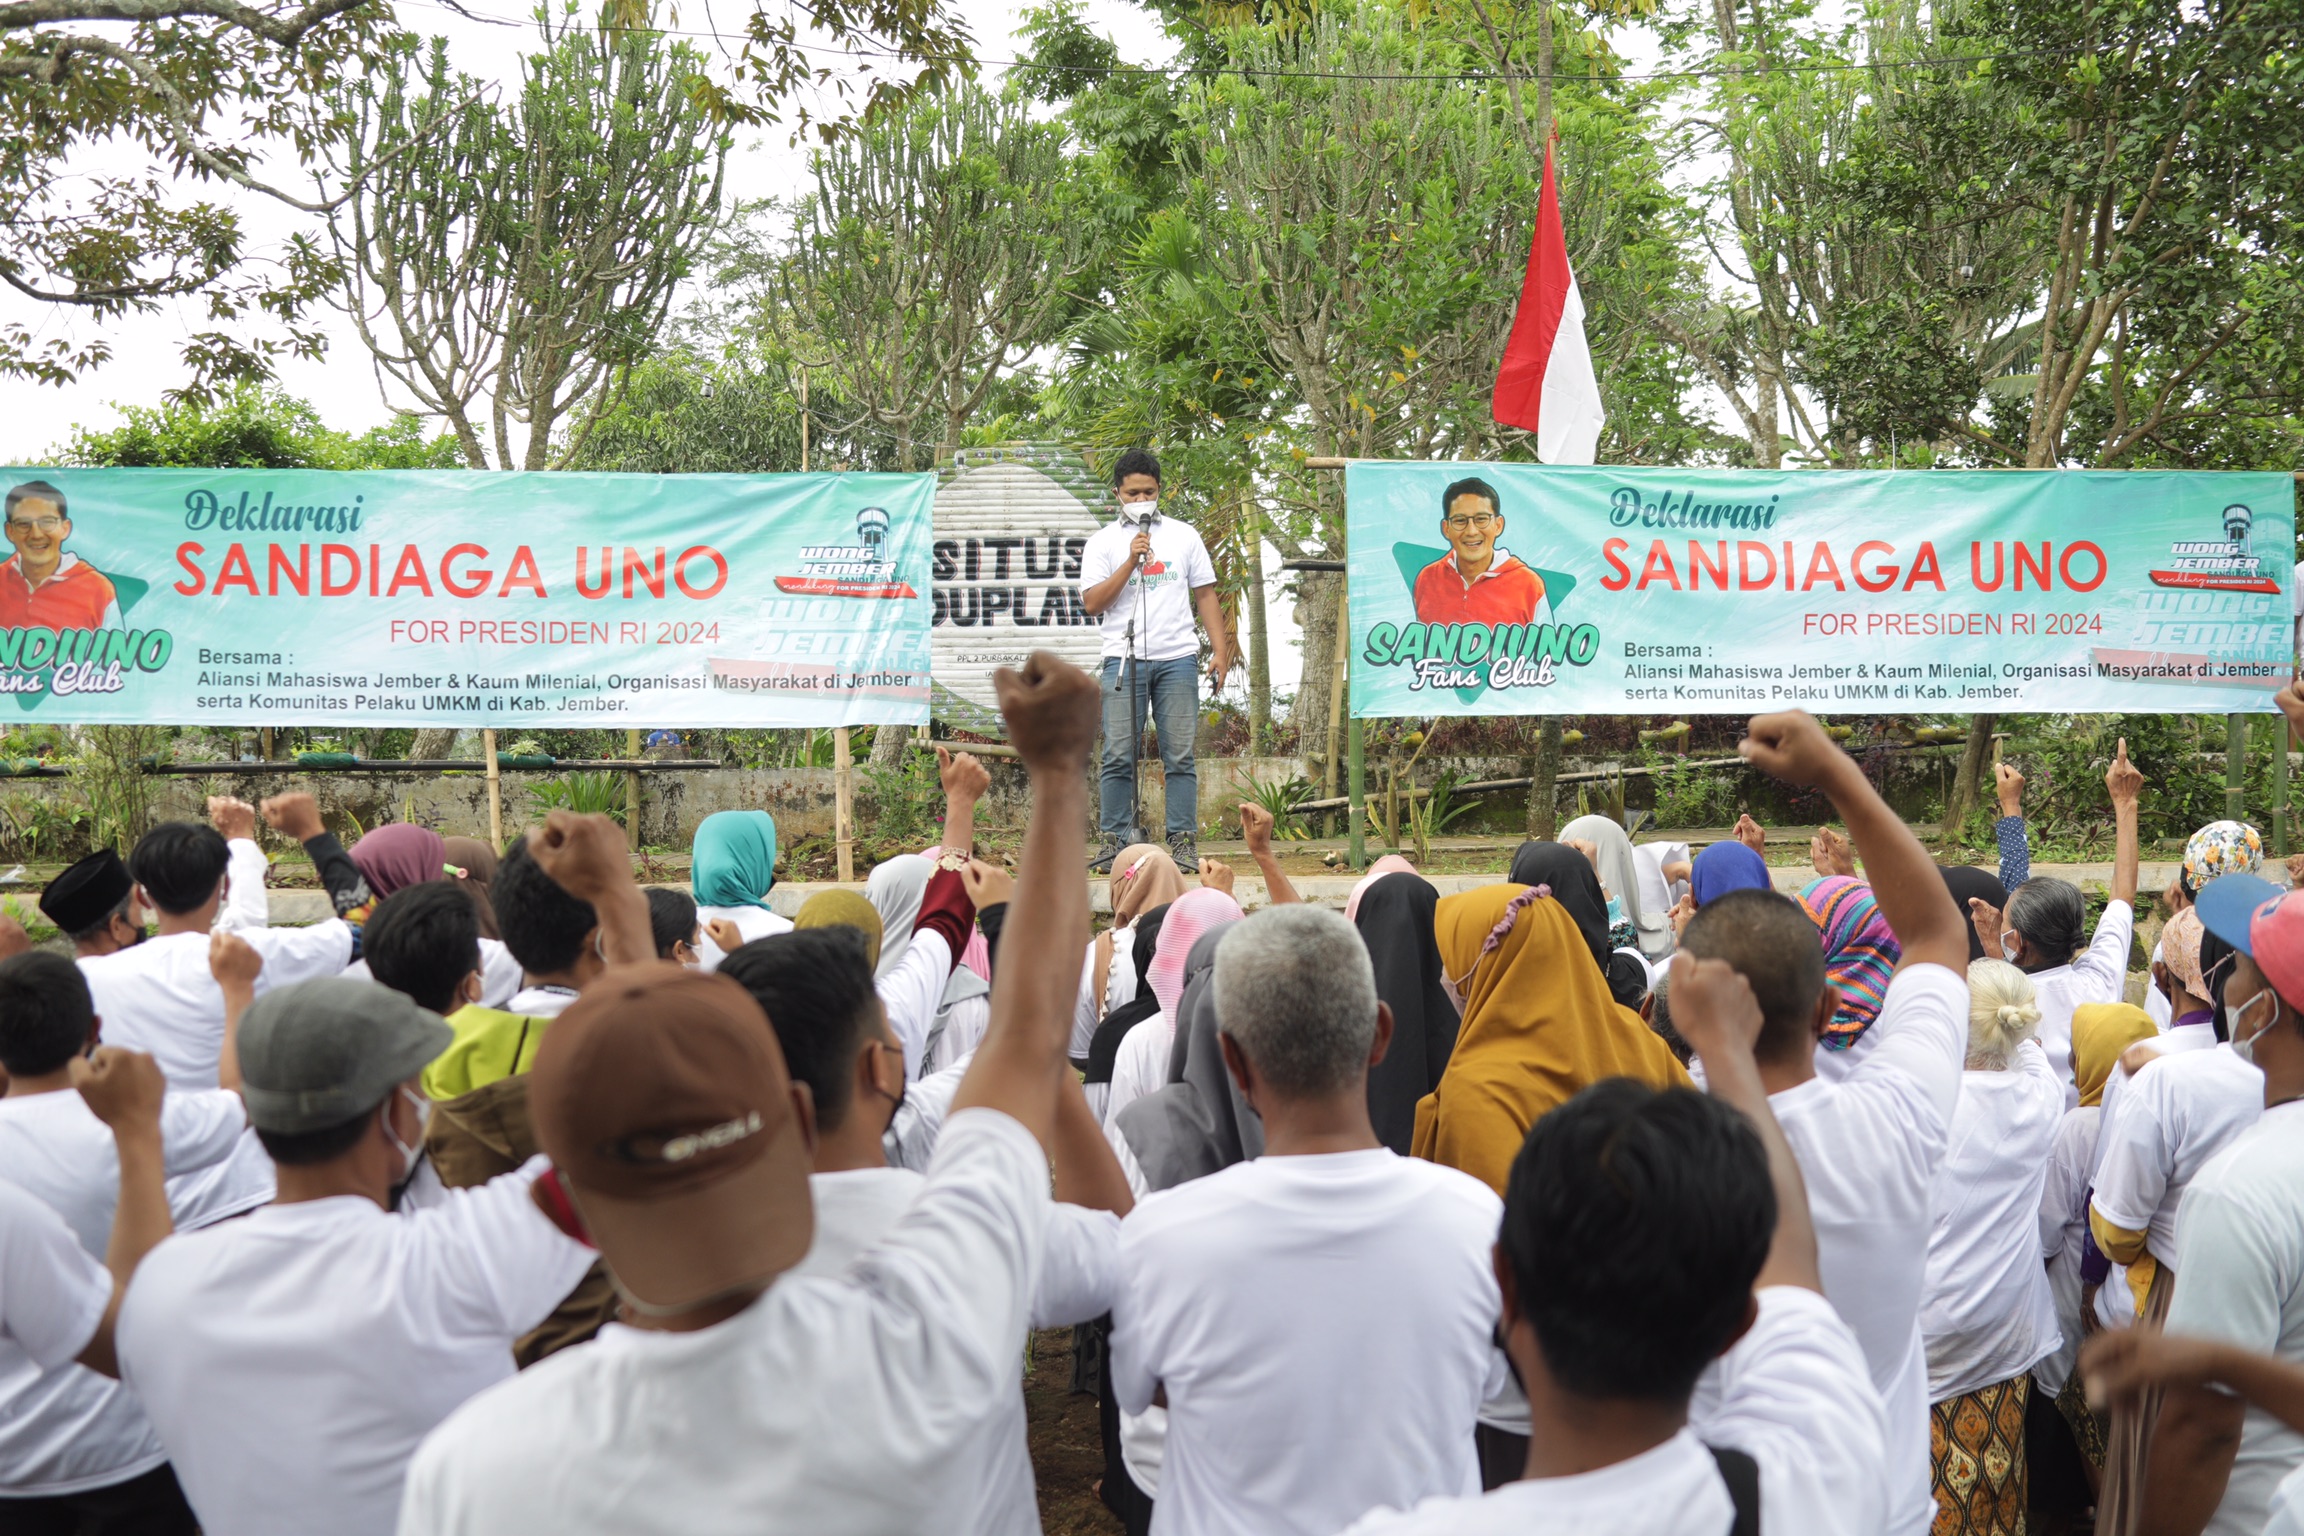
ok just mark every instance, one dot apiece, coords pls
pixel 1869 1146
pixel 1794 1395
pixel 1079 1271
pixel 246 904
pixel 2064 1235
pixel 1342 1304
pixel 1648 860
pixel 752 922
pixel 158 997
pixel 913 994
pixel 910 1140
pixel 2240 1278
pixel 292 1360
pixel 1140 1067
pixel 1985 1311
pixel 541 1002
pixel 2287 1507
pixel 2176 1114
pixel 830 1405
pixel 1179 564
pixel 52 1294
pixel 500 974
pixel 2098 975
pixel 71 1429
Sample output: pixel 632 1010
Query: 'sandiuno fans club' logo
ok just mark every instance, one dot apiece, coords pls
pixel 2208 566
pixel 860 569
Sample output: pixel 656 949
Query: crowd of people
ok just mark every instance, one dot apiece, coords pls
pixel 1631 1193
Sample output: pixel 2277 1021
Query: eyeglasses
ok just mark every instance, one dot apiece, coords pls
pixel 37 524
pixel 1475 520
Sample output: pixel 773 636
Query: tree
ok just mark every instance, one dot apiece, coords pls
pixel 1368 216
pixel 252 427
pixel 195 89
pixel 935 252
pixel 510 269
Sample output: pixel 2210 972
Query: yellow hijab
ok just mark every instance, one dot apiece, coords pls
pixel 2100 1032
pixel 1539 1027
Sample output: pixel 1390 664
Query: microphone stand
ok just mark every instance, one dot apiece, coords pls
pixel 1135 704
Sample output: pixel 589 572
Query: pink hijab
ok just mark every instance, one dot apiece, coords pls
pixel 1189 916
pixel 1390 864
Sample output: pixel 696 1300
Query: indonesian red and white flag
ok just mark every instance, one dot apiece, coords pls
pixel 1545 384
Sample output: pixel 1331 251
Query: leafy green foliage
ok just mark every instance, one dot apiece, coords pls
pixel 599 793
pixel 252 427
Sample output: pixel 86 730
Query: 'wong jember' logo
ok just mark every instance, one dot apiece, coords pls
pixel 2204 565
pixel 861 569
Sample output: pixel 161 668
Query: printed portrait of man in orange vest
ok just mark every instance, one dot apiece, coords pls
pixel 1478 581
pixel 44 584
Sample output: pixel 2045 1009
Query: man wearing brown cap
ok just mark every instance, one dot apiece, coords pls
pixel 738 1397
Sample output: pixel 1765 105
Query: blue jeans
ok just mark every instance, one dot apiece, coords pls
pixel 1168 692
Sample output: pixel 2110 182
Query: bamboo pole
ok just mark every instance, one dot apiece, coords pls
pixel 495 792
pixel 843 824
pixel 2236 766
pixel 632 790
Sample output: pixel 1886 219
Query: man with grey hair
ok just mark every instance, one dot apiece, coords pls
pixel 1319 1321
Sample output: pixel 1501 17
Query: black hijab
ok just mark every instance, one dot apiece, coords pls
pixel 1576 886
pixel 1104 1047
pixel 1980 884
pixel 1395 922
pixel 1198 1124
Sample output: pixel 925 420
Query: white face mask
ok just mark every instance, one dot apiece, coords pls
pixel 2010 945
pixel 410 1156
pixel 2245 1047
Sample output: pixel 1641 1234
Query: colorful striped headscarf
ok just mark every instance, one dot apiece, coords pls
pixel 1860 953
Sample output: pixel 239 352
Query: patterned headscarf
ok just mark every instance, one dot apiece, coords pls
pixel 2222 848
pixel 1860 953
pixel 2180 949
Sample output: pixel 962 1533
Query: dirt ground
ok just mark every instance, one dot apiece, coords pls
pixel 1067 1454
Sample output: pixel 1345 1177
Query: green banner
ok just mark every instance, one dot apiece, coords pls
pixel 423 597
pixel 1514 589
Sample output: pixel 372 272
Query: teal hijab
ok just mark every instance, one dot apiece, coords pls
pixel 733 860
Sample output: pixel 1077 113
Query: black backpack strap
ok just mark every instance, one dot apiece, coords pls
pixel 1742 1475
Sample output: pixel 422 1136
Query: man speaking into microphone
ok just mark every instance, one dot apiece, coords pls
pixel 1142 576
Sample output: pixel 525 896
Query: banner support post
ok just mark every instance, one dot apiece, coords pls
pixel 843 828
pixel 632 791
pixel 1359 793
pixel 495 792
pixel 2235 766
pixel 2280 786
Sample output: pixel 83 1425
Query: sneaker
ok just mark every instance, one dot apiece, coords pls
pixel 1106 853
pixel 1185 850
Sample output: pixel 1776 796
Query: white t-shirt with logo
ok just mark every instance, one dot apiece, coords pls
pixel 1179 563
pixel 1985 1310
pixel 1324 1327
pixel 71 1429
pixel 1079 1269
pixel 830 1405
pixel 1794 1395
pixel 1869 1146
pixel 2240 1278
pixel 158 997
pixel 292 1360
